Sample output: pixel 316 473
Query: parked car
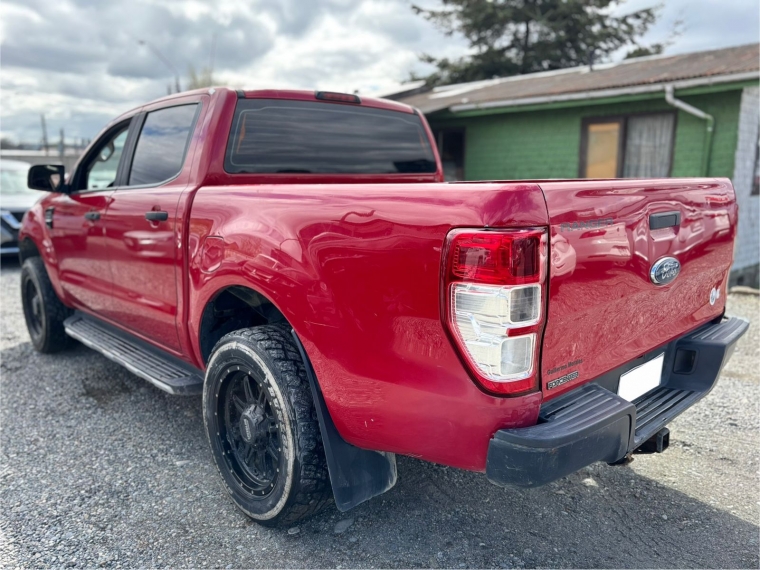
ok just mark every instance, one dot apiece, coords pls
pixel 296 258
pixel 15 199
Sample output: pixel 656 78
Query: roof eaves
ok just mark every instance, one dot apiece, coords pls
pixel 607 93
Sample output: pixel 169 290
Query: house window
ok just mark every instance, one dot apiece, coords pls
pixel 635 146
pixel 451 148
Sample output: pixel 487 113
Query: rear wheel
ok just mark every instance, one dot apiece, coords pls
pixel 43 311
pixel 262 427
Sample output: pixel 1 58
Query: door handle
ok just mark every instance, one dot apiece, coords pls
pixel 156 216
pixel 664 220
pixel 92 215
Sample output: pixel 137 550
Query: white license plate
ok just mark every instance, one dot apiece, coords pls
pixel 641 379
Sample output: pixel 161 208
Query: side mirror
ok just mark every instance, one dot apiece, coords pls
pixel 47 177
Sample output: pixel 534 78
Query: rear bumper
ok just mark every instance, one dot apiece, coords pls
pixel 592 423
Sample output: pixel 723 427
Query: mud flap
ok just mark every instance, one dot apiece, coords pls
pixel 356 474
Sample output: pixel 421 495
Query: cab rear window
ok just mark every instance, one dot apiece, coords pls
pixel 301 137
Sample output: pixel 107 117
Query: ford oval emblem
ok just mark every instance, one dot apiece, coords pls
pixel 664 270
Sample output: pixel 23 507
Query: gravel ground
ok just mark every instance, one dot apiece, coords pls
pixel 98 468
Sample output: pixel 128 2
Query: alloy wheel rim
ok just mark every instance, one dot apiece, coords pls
pixel 33 308
pixel 249 432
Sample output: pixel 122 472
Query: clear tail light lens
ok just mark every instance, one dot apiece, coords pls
pixel 494 291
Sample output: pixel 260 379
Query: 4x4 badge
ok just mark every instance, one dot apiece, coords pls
pixel 664 270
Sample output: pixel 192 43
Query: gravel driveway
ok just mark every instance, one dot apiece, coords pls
pixel 98 468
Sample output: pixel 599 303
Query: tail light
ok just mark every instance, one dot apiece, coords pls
pixel 494 290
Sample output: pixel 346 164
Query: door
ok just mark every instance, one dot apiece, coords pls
pixel 143 230
pixel 77 224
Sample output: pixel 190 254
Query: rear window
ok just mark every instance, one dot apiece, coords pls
pixel 278 136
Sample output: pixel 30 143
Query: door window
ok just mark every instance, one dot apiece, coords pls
pixel 101 171
pixel 161 147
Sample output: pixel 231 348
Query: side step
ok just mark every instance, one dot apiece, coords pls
pixel 162 370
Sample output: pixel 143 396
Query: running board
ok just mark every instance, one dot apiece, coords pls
pixel 162 370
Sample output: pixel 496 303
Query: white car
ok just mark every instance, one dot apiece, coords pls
pixel 15 199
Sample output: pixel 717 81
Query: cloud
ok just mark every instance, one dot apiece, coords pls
pixel 81 61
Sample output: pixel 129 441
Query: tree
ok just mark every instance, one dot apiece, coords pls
pixel 512 37
pixel 198 79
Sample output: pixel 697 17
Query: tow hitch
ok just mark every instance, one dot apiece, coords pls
pixel 658 443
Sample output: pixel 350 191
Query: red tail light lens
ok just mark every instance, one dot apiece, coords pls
pixel 491 257
pixel 494 294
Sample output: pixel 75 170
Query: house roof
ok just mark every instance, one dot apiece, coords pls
pixel 643 74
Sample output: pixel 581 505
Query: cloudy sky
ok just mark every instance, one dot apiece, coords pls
pixel 82 62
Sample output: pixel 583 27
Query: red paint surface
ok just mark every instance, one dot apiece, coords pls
pixel 603 308
pixel 355 264
pixel 78 247
pixel 356 270
pixel 142 257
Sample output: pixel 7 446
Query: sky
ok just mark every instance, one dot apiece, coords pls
pixel 83 62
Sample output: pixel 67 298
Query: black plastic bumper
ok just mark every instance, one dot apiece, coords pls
pixel 592 423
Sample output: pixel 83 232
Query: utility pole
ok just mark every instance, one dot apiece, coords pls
pixel 44 134
pixel 62 145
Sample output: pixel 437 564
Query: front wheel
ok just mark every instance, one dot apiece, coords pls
pixel 43 311
pixel 262 427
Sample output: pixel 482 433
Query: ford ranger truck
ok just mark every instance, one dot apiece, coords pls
pixel 297 259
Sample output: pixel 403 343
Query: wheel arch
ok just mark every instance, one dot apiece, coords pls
pixel 232 307
pixel 27 248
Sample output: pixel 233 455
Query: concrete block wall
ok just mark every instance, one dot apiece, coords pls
pixel 747 253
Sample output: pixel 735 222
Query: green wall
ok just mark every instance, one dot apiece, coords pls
pixel 546 143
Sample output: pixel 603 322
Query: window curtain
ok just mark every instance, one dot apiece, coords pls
pixel 649 140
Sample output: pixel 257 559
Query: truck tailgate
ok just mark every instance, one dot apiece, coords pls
pixel 604 307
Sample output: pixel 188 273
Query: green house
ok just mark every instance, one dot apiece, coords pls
pixel 693 114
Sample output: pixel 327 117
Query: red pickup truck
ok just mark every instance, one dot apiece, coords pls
pixel 297 258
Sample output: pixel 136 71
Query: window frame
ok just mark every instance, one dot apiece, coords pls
pixel 622 120
pixel 134 138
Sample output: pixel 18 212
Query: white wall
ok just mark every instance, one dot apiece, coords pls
pixel 748 242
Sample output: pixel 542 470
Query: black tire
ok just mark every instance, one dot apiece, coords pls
pixel 43 310
pixel 248 367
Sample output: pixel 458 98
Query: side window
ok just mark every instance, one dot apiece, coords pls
pixel 161 146
pixel 101 171
pixel 635 146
